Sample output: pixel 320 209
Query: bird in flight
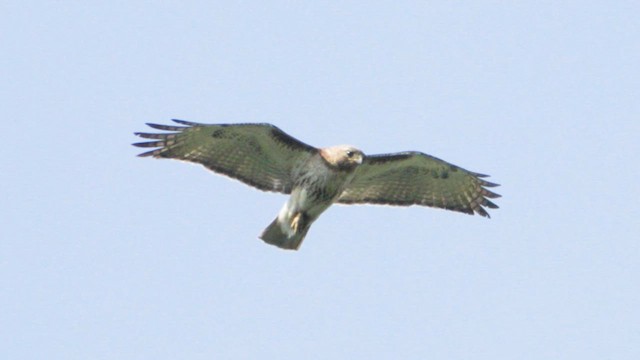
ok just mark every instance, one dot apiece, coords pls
pixel 265 157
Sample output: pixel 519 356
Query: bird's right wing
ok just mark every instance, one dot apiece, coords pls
pixel 260 155
pixel 414 178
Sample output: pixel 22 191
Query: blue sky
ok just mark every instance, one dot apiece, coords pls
pixel 107 256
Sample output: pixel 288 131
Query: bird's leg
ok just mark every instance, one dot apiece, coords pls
pixel 295 221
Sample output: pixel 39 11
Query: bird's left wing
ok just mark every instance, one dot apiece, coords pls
pixel 414 178
pixel 260 155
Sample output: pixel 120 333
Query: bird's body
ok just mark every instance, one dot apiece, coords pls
pixel 263 156
pixel 315 188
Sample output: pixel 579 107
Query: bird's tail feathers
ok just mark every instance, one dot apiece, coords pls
pixel 276 234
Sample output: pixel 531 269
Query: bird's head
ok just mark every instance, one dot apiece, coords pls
pixel 343 157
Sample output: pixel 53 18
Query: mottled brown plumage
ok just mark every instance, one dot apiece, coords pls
pixel 263 156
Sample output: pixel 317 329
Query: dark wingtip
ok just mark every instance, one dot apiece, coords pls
pixel 149 144
pixel 164 136
pixel 489 204
pixel 482 212
pixel 164 139
pixel 166 127
pixel 148 153
pixel 488 183
pixel 490 194
pixel 184 122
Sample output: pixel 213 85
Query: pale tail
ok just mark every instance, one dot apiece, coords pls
pixel 274 235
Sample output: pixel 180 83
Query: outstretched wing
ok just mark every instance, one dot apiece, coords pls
pixel 259 155
pixel 414 178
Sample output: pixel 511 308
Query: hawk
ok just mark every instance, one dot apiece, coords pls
pixel 265 157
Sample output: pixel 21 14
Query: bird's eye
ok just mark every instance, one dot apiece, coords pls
pixel 350 154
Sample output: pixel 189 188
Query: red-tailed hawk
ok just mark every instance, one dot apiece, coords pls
pixel 263 156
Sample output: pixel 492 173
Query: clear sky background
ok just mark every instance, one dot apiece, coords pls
pixel 104 255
